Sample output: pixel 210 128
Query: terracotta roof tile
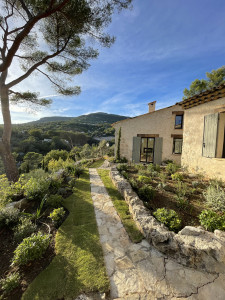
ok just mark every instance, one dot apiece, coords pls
pixel 207 96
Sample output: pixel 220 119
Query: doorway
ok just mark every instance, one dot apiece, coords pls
pixel 147 150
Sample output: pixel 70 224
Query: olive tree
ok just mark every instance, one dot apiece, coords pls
pixel 52 38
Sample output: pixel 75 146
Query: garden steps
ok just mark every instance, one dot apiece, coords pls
pixel 139 271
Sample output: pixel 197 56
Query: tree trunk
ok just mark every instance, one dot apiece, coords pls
pixel 5 148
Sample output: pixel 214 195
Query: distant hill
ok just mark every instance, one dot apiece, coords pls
pixel 93 118
pixel 51 119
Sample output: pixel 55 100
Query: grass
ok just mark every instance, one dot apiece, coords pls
pixel 78 265
pixel 97 163
pixel 121 207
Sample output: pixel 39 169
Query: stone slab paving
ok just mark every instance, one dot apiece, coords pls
pixel 140 272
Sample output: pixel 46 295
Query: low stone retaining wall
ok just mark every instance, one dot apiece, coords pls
pixel 192 246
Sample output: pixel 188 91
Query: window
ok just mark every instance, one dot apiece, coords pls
pixel 179 122
pixel 177 145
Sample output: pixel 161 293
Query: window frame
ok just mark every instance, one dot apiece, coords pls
pixel 179 126
pixel 174 141
pixel 149 137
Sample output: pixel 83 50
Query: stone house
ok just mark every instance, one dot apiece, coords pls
pixel 152 137
pixel 204 133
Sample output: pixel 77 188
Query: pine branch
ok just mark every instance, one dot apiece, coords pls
pixel 35 66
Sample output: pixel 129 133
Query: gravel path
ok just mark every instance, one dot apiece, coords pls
pixel 140 272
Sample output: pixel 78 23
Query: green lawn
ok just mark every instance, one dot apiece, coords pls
pixel 121 207
pixel 78 265
pixel 97 163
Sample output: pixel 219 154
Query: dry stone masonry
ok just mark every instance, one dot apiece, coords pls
pixel 192 247
pixel 140 271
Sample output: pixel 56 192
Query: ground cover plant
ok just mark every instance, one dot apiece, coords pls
pixel 121 207
pixel 194 199
pixel 78 265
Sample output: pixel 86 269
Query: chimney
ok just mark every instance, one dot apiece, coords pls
pixel 151 106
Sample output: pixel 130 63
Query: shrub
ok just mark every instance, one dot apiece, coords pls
pixel 181 189
pixel 63 192
pixel 171 168
pixel 56 155
pixel 122 167
pixel 153 168
pixel 140 167
pixel 10 282
pixel 9 216
pixel 9 191
pixel 211 221
pixel 31 248
pixel 72 183
pixel 168 217
pixel 157 168
pixel 146 193
pixel 216 182
pixel 54 201
pixel 4 190
pixel 163 177
pixel 182 202
pixel 57 215
pixel 125 174
pixel 78 171
pixel 144 172
pixel 35 189
pixel 177 176
pixel 37 174
pixel 122 160
pixel 162 186
pixel 133 183
pixel 55 182
pixel 55 165
pixel 215 198
pixel 24 229
pixel 144 179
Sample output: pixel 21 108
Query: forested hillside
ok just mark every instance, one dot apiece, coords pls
pixel 93 118
pixel 60 133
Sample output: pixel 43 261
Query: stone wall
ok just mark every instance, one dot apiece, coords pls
pixel 192 247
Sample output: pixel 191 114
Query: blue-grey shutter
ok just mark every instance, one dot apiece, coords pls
pixel 158 150
pixel 136 151
pixel 210 135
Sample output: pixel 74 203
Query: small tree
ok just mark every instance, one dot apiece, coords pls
pixel 118 146
pixel 31 161
pixel 102 147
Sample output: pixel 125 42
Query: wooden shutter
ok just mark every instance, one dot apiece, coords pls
pixel 158 150
pixel 136 151
pixel 210 135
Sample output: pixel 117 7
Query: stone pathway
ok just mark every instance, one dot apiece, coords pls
pixel 140 272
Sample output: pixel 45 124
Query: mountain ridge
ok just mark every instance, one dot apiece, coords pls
pixel 92 118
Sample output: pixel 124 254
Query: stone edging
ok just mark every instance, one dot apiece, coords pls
pixel 192 246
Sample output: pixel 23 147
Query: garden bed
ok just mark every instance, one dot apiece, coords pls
pixel 192 246
pixel 30 271
pixel 179 191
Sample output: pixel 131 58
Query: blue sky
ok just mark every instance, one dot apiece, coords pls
pixel 161 47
